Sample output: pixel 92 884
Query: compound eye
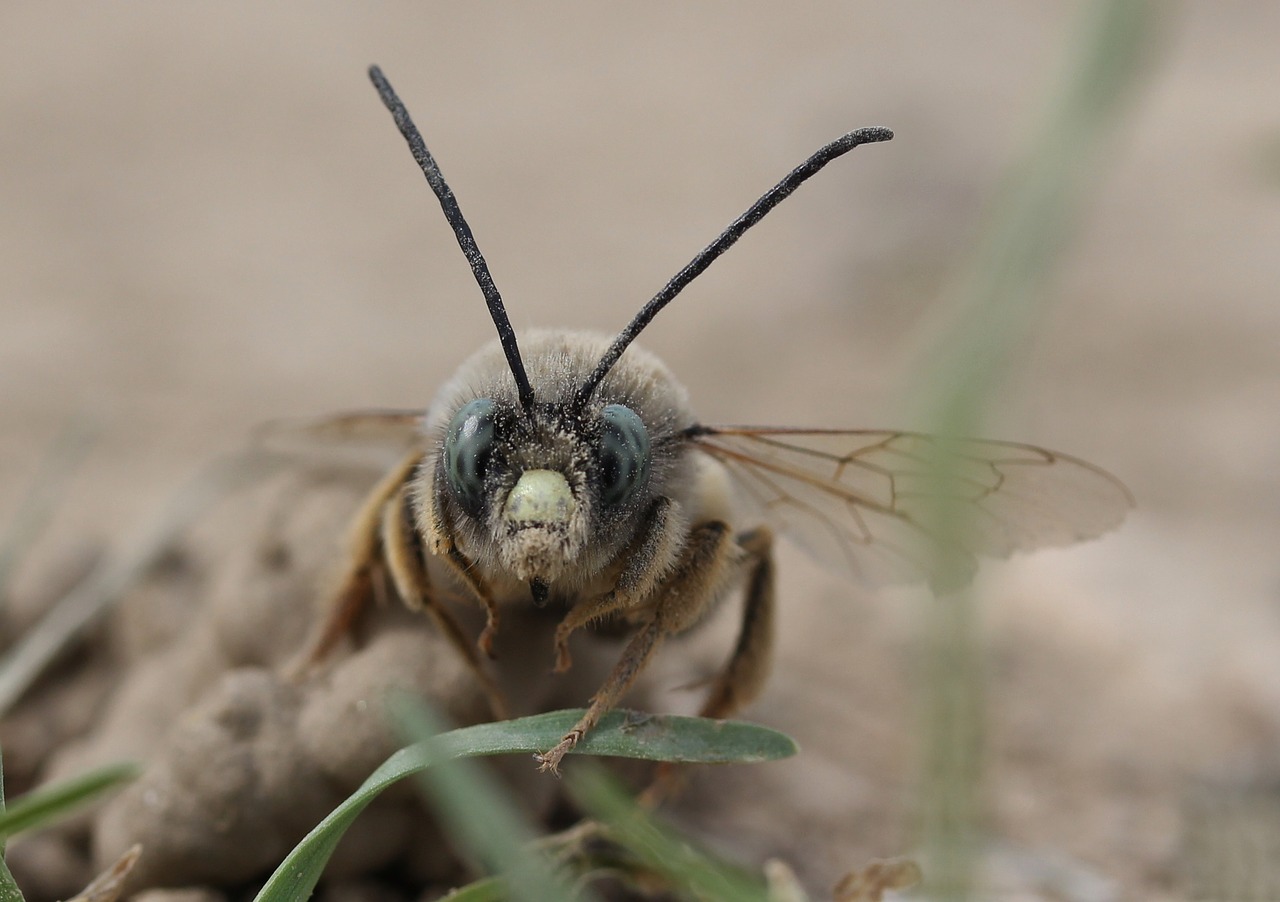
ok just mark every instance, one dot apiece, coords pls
pixel 624 454
pixel 468 447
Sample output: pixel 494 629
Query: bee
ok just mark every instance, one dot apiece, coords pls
pixel 569 468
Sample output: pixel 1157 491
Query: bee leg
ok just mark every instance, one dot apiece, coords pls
pixel 648 560
pixel 465 571
pixel 440 532
pixel 749 665
pixel 406 562
pixel 706 569
pixel 364 557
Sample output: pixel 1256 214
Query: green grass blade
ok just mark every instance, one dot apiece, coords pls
pixel 621 734
pixel 44 805
pixel 490 889
pixel 998 296
pixel 9 891
pixel 478 817
pixel 996 303
pixel 696 874
pixel 627 734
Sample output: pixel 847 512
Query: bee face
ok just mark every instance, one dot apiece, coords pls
pixel 554 493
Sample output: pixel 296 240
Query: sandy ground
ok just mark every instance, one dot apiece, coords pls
pixel 207 221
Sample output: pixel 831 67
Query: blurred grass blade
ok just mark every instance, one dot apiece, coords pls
pixel 783 884
pixel 76 610
pixel 489 889
pixel 995 303
pixel 485 825
pixel 9 891
pixel 657 848
pixel 623 734
pixel 41 806
pixel 109 885
pixel 35 510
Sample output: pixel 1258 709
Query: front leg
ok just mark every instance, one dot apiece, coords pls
pixel 355 591
pixel 648 560
pixel 438 529
pixel 406 562
pixel 705 571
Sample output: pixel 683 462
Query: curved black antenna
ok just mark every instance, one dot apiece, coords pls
pixel 466 241
pixel 771 198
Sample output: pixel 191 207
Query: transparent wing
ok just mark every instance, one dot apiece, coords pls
pixel 869 502
pixel 365 436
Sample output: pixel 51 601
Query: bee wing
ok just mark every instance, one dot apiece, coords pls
pixel 373 436
pixel 868 502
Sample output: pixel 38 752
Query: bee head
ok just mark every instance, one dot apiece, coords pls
pixel 552 495
pixel 548 468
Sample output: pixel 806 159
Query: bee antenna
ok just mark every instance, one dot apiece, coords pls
pixel 466 241
pixel 735 230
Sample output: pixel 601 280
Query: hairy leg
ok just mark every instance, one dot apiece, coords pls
pixel 406 561
pixel 706 569
pixel 355 590
pixel 649 560
pixel 748 667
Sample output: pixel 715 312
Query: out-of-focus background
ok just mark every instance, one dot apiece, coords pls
pixel 207 220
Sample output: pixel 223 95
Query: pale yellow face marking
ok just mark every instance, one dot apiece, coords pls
pixel 540 496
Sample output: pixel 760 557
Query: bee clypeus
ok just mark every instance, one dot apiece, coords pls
pixel 569 469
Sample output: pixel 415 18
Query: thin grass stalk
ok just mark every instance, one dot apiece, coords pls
pixel 997 302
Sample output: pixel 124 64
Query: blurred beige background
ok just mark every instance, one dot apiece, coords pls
pixel 208 220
